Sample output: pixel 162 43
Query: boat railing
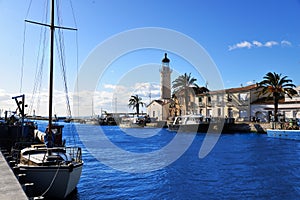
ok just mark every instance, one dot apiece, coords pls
pixel 75 153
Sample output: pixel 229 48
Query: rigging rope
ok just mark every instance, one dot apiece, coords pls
pixel 77 71
pixel 23 52
pixel 61 55
pixel 23 47
pixel 77 62
pixel 39 64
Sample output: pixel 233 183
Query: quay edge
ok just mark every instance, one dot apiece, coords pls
pixel 237 127
pixel 10 187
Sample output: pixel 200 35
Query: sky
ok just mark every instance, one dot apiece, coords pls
pixel 242 40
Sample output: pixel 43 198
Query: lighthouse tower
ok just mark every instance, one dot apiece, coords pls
pixel 165 79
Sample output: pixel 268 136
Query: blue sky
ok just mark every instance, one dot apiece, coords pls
pixel 245 39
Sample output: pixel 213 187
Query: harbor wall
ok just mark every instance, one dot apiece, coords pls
pixel 237 127
pixel 9 185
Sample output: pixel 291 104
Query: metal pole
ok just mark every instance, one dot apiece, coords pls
pixel 52 28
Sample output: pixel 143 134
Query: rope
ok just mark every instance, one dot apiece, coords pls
pixel 61 55
pixel 73 127
pixel 61 49
pixel 23 52
pixel 73 14
pixel 77 71
pixel 23 47
pixel 77 53
pixel 39 64
pixel 52 180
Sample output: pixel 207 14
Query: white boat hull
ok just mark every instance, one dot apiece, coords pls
pixel 130 125
pixel 284 134
pixel 64 178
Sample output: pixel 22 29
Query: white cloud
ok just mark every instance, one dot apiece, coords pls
pixel 114 87
pixel 250 82
pixel 286 43
pixel 113 98
pixel 271 44
pixel 258 44
pixel 110 98
pixel 109 86
pixel 244 44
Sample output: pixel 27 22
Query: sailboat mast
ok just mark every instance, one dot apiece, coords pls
pixel 52 28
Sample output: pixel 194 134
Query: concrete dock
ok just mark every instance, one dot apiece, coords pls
pixel 10 188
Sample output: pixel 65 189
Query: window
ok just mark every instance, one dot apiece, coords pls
pixel 200 99
pixel 219 98
pixel 243 96
pixel 229 97
pixel 243 113
pixel 230 113
pixel 209 98
pixel 153 114
pixel 209 112
pixel 219 112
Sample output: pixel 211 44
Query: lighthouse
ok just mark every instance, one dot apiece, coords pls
pixel 165 79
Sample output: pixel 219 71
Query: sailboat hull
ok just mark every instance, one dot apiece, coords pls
pixel 55 182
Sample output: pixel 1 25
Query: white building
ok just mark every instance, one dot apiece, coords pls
pixel 287 108
pixel 159 109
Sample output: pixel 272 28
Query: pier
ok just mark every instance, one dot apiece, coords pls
pixel 10 188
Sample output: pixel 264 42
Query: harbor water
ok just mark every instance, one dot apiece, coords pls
pixel 240 166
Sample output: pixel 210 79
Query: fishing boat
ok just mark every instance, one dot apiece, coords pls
pixel 284 134
pixel 53 169
pixel 14 127
pixel 201 124
pixel 289 130
pixel 131 122
pixel 187 123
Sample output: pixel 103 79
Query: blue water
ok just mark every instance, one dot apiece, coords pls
pixel 240 166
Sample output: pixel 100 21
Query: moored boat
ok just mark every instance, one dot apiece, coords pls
pixel 53 169
pixel 127 122
pixel 288 130
pixel 284 134
pixel 189 123
pixel 54 172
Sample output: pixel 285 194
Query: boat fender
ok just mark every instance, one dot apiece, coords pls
pixel 71 166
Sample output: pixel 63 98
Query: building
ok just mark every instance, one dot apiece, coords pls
pixel 159 109
pixel 241 103
pixel 165 79
pixel 228 103
pixel 263 108
pixel 244 104
pixel 192 100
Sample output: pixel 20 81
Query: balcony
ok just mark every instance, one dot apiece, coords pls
pixel 201 104
pixel 229 104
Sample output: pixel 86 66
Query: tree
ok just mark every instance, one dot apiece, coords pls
pixel 276 86
pixel 174 107
pixel 135 102
pixel 185 83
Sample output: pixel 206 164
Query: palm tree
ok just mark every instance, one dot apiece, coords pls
pixel 135 102
pixel 184 83
pixel 276 86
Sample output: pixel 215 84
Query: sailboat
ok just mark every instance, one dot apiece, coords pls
pixel 53 169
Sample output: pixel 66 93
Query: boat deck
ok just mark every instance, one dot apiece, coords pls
pixel 10 188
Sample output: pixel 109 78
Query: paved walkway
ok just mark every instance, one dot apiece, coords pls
pixel 10 189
